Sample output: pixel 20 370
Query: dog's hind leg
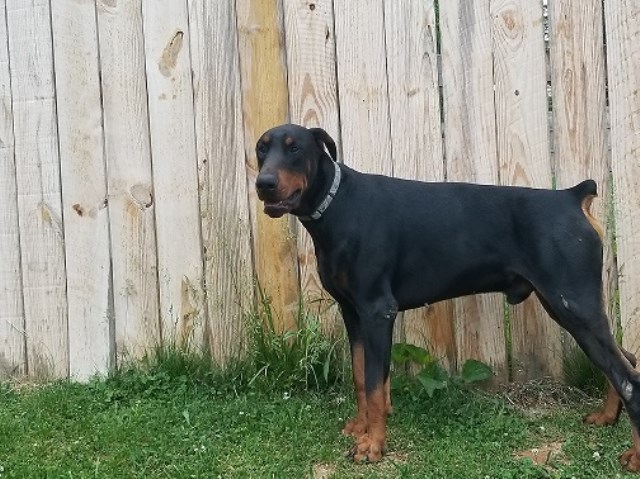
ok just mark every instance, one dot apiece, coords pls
pixel 610 412
pixel 612 405
pixel 581 313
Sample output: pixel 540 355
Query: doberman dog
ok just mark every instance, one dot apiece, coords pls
pixel 385 245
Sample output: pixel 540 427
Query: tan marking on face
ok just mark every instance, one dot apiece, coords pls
pixel 288 141
pixel 289 182
pixel 266 138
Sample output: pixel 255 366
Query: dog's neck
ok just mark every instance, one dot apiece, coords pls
pixel 320 193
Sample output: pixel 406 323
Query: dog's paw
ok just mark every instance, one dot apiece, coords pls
pixel 600 419
pixel 355 427
pixel 630 460
pixel 366 450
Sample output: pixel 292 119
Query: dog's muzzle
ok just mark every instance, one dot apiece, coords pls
pixel 276 204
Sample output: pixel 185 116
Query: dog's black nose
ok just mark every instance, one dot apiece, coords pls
pixel 266 182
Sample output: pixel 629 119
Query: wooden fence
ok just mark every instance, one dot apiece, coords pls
pixel 127 127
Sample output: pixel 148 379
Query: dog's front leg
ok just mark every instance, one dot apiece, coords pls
pixel 376 329
pixel 358 425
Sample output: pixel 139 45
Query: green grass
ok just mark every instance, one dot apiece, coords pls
pixel 306 358
pixel 578 371
pixel 158 421
pixel 278 413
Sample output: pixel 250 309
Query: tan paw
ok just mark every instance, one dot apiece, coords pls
pixel 600 419
pixel 630 460
pixel 354 427
pixel 366 450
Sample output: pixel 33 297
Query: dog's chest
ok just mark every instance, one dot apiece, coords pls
pixel 334 275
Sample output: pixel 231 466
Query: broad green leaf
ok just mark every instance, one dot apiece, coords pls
pixel 474 371
pixel 402 353
pixel 429 383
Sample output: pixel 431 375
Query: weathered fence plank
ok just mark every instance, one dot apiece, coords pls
pixel 363 91
pixel 13 360
pixel 470 145
pixel 416 139
pixel 175 175
pixel 84 195
pixel 128 157
pixel 313 102
pixel 623 61
pixel 265 105
pixel 38 183
pixel 140 126
pixel 226 232
pixel 523 152
pixel 579 116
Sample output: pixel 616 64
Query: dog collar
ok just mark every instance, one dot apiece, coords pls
pixel 319 211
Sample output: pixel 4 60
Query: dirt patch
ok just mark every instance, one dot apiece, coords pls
pixel 388 464
pixel 20 385
pixel 542 455
pixel 543 394
pixel 323 471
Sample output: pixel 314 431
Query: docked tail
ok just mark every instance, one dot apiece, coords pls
pixel 585 192
pixel 584 189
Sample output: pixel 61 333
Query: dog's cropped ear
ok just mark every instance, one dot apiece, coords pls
pixel 323 138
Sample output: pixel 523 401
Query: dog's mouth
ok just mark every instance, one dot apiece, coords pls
pixel 276 209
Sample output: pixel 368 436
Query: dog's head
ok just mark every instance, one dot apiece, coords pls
pixel 288 160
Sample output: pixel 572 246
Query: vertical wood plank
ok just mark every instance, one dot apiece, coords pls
pixel 226 229
pixel 470 145
pixel 175 175
pixel 313 102
pixel 265 105
pixel 579 117
pixel 523 152
pixel 623 62
pixel 128 156
pixel 38 182
pixel 362 80
pixel 13 360
pixel 84 195
pixel 416 139
pixel 363 93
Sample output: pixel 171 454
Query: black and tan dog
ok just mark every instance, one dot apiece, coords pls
pixel 385 245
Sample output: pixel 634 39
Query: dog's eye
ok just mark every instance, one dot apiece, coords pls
pixel 294 149
pixel 261 149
